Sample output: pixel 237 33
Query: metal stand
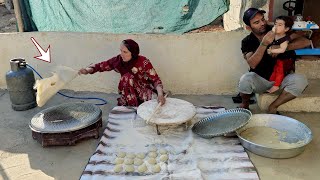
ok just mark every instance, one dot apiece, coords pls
pixel 67 138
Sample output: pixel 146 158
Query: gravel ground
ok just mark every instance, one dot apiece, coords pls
pixel 7 20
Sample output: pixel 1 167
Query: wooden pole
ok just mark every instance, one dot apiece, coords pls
pixel 17 12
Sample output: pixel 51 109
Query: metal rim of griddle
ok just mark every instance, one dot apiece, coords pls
pixel 222 123
pixel 96 115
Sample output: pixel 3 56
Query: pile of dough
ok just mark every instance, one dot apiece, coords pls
pixel 153 154
pixel 141 155
pixel 156 168
pixel 137 161
pixel 131 155
pixel 48 87
pixel 128 161
pixel 164 158
pixel 118 160
pixel 142 168
pixel 129 168
pixel 117 168
pixel 152 161
pixel 153 149
pixel 121 154
pixel 163 151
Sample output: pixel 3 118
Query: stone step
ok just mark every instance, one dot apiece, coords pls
pixel 309 67
pixel 309 101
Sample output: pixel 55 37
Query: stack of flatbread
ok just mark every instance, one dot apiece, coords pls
pixel 174 111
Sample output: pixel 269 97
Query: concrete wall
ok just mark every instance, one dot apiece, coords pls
pixel 204 63
pixel 278 9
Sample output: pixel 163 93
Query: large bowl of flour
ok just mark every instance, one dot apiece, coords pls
pixel 274 136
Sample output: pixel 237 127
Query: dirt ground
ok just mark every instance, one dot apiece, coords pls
pixel 7 20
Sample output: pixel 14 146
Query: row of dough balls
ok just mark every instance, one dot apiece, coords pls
pixel 138 161
pixel 141 169
pixel 152 153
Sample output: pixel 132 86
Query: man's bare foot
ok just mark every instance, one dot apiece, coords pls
pixel 272 110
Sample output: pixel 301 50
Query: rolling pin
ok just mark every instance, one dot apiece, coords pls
pixel 155 110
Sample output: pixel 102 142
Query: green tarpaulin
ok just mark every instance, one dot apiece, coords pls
pixel 120 16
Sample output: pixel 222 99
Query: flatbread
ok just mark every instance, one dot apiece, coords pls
pixel 48 87
pixel 174 111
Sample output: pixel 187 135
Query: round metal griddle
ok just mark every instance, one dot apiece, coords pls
pixel 66 123
pixel 222 123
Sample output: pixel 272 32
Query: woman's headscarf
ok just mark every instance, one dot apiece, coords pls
pixel 133 47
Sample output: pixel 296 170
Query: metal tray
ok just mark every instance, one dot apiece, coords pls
pixel 222 123
pixel 296 131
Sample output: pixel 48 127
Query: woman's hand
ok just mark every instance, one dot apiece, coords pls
pixel 85 70
pixel 161 99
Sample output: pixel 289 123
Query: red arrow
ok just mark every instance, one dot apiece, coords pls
pixel 45 55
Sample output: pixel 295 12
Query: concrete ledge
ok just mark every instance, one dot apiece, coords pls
pixel 310 68
pixel 308 102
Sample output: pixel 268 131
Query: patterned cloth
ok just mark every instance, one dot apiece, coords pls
pixel 190 156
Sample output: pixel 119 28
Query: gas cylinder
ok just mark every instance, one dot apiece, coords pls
pixel 20 81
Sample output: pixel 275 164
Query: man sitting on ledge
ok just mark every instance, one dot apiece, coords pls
pixel 254 48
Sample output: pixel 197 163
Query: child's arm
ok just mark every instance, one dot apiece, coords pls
pixel 282 49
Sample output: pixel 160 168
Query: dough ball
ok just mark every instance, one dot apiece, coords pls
pixel 121 154
pixel 153 154
pixel 131 155
pixel 163 151
pixel 141 155
pixel 138 161
pixel 128 161
pixel 118 160
pixel 117 168
pixel 153 149
pixel 129 168
pixel 142 168
pixel 164 158
pixel 152 161
pixel 156 168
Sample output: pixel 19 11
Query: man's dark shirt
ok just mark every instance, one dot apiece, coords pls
pixel 265 67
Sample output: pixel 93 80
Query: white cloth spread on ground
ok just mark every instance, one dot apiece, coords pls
pixel 48 87
pixel 190 156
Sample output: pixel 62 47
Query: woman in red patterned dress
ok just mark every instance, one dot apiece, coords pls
pixel 139 81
